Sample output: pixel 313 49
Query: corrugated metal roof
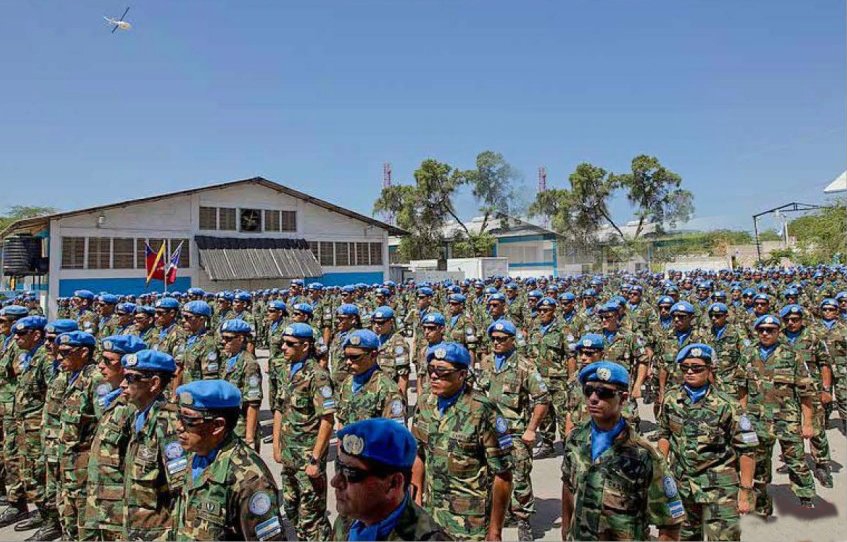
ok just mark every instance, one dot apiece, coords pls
pixel 235 258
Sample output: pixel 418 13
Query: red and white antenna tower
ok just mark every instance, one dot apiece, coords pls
pixel 386 182
pixel 542 187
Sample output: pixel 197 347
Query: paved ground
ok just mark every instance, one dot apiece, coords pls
pixel 827 522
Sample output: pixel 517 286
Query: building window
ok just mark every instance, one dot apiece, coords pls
pixel 271 220
pixel 73 252
pixel 376 253
pixel 99 252
pixel 208 218
pixel 363 254
pixel 288 221
pixel 250 220
pixel 226 218
pixel 123 253
pixel 184 253
pixel 342 254
pixel 315 247
pixel 548 255
pixel 327 254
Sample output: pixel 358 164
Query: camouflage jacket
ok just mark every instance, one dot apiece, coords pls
pixel 33 370
pixel 198 356
pixel 166 340
pixel 706 439
pixel 274 337
pixel 302 400
pixel 549 347
pixel 727 344
pixel 414 524
pixel 462 450
pixel 154 470
pixel 88 321
pixel 243 372
pixel 7 373
pixel 627 349
pixel 813 351
pixel 394 357
pixel 516 312
pixel 78 419
pixel 835 338
pixel 644 320
pixel 107 326
pixel 104 507
pixel 618 496
pixel 462 331
pixel 234 498
pixel 379 397
pixel 669 346
pixel 774 387
pixel 51 416
pixel 516 389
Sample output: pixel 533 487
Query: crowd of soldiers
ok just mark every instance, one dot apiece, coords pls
pixel 138 417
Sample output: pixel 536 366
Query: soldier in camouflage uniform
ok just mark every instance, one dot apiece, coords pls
pixel 86 318
pixel 144 319
pixel 104 506
pixel 275 313
pixel 549 346
pixel 394 357
pixel 834 335
pixel 615 484
pixel 589 349
pixel 727 341
pixel 815 355
pixel 462 475
pixel 459 327
pixel 711 449
pixel 372 476
pixel 223 309
pixel 305 403
pixel 776 391
pixel 196 352
pixel 347 319
pixel 227 492
pixel 108 322
pixel 368 393
pixel 681 334
pixel 31 369
pixel 168 332
pixel 124 317
pixel 240 368
pixel 15 494
pixel 521 394
pixel 154 463
pixel 627 349
pixel 80 411
pixel 516 307
pixel 433 331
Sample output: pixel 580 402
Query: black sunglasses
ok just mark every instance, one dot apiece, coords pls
pixel 356 358
pixel 440 372
pixel 602 393
pixel 132 378
pixel 193 421
pixel 228 339
pixel 351 475
pixel 292 344
pixel 696 369
pixel 587 351
pixel 501 338
pixel 60 353
pixel 768 330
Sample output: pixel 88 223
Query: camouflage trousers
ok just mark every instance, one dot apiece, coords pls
pixel 839 399
pixel 794 455
pixel 14 485
pixel 71 496
pixel 555 417
pixel 522 504
pixel 30 460
pixel 275 367
pixel 717 520
pixel 69 514
pixel 51 487
pixel 819 443
pixel 304 502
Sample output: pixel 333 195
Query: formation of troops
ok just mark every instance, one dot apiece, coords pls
pixel 137 417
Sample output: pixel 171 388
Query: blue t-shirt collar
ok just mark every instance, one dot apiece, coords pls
pixel 377 531
pixel 602 440
pixel 446 402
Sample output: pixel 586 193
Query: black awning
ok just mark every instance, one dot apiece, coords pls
pixel 235 258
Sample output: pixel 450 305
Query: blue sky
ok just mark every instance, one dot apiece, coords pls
pixel 745 100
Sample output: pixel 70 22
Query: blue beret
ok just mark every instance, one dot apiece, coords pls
pixel 719 294
pixel 30 322
pixel 791 309
pixel 299 330
pixel 277 304
pixel 636 288
pixel 696 350
pixel 611 306
pixel 348 309
pixel 383 291
pixel 490 290
pixel 766 319
pixel 297 282
pixel 434 318
pixel 502 326
pixel 149 360
pixel 748 291
pixel 305 308
pixel 604 371
pixel 15 311
pixel 761 297
pixel 683 306
pixel 167 303
pixel 209 395
pixel 348 289
pixel 389 283
pixel 316 286
pixel 123 344
pixel 665 300
pixel 146 309
pixel 840 295
pixel 383 313
pixel 425 291
pixel 452 352
pixel 361 338
pixel 236 325
pixel 511 286
pixel 127 308
pixel 109 299
pixel 535 293
pixel 242 296
pixel 76 338
pixel 591 340
pixel 198 307
pixel 196 291
pixel 829 302
pixel 671 288
pixel 590 292
pixel 497 297
pixel 567 296
pixel 718 308
pixel 791 292
pixel 381 440
pixel 546 302
pixel 456 298
pixel 62 325
pixel 84 294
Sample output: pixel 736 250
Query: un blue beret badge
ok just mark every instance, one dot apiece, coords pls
pixel 288 331
pixel 20 326
pixel 570 338
pixel 500 424
pixel 173 450
pixel 107 345
pixel 355 340
pixel 696 352
pixel 50 328
pixel 103 389
pixel 65 339
pixel 186 398
pixel 604 373
pixel 670 487
pixel 131 360
pixel 353 444
pixel 326 391
pixel 379 314
pixel 260 503
pixel 586 343
pixel 440 353
pixel 795 310
pixel 498 327
pixel 744 423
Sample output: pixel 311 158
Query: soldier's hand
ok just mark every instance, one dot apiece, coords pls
pixel 808 431
pixel 745 501
pixel 495 536
pixel 277 454
pixel 826 397
pixel 636 392
pixel 312 471
pixel 528 437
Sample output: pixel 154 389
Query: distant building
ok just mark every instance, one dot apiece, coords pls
pixel 250 234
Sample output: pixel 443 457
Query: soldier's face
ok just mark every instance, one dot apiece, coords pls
pixel 164 318
pixel 143 321
pixel 5 325
pixel 455 308
pixel 445 379
pixel 294 349
pixel 606 408
pixel 71 358
pixel 793 323
pixel 718 319
pixel 761 306
pixel 194 431
pixel 433 334
pixel 695 371
pixel 381 327
pixel 110 367
pixel 546 314
pixel 502 342
pixel 343 322
pixel 273 315
pixel 232 343
pixel 105 309
pixel 496 308
pixel 423 301
pixel 298 316
pixel 682 321
pixel 843 304
pixel 634 296
pixel 358 360
pixel 609 320
pixel 192 323
pixel 27 338
pixel 358 493
pixel 567 306
pixel 239 306
pixel 589 355
pixel 768 335
pixel 664 310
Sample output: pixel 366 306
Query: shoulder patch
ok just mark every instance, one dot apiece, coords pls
pixel 501 425
pixel 396 407
pixel 669 486
pixel 399 350
pixel 253 381
pixel 744 423
pixel 173 450
pixel 326 392
pixel 103 389
pixel 260 503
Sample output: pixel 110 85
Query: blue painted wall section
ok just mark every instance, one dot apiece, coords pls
pixel 132 286
pixel 525 238
pixel 342 279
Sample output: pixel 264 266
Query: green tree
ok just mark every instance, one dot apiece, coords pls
pixel 821 236
pixel 20 212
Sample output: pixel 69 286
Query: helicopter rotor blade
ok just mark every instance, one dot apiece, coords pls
pixel 125 12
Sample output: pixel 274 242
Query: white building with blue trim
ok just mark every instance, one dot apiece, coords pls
pixel 250 234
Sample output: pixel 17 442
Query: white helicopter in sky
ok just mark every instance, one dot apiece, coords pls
pixel 119 23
